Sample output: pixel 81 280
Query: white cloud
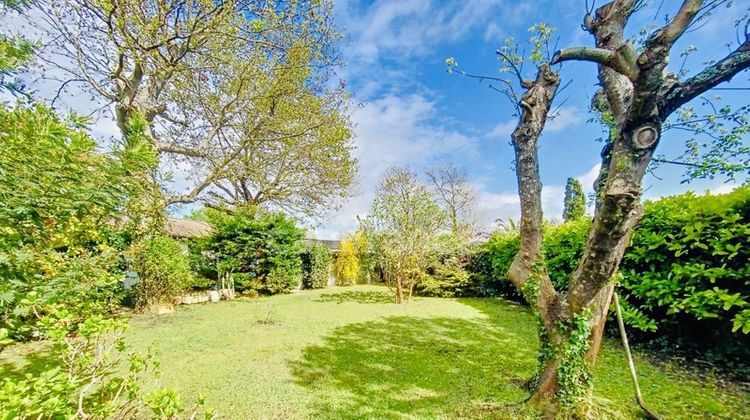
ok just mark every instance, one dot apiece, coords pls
pixel 494 33
pixel 565 117
pixel 506 205
pixel 393 131
pixel 723 188
pixel 587 179
pixel 503 130
pixel 405 28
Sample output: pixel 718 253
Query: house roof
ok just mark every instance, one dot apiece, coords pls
pixel 184 228
pixel 332 245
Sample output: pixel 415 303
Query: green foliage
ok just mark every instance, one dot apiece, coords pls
pixel 401 229
pixel 574 373
pixel 563 248
pixel 575 200
pixel 718 143
pixel 447 274
pixel 163 270
pixel 260 249
pixel 684 276
pixel 346 265
pixel 83 378
pixel 15 52
pixel 316 266
pixel 496 257
pixel 686 271
pixel 59 253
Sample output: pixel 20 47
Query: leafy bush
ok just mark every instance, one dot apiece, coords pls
pixel 686 272
pixel 57 259
pixel 162 267
pixel 487 273
pixel 563 248
pixel 684 277
pixel 446 277
pixel 346 264
pixel 500 250
pixel 84 379
pixel 316 266
pixel 446 274
pixel 260 249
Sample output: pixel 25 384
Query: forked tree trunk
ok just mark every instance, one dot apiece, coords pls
pixel 640 99
pixel 399 289
pixel 528 271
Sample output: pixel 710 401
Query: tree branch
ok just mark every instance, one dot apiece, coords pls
pixel 670 33
pixel 179 150
pixel 618 60
pixel 720 72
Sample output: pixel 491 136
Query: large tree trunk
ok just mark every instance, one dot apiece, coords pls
pixel 640 98
pixel 528 271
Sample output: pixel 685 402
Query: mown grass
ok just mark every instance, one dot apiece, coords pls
pixel 351 353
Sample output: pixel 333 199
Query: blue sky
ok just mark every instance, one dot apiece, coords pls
pixel 410 112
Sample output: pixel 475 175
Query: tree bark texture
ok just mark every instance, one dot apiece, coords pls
pixel 640 96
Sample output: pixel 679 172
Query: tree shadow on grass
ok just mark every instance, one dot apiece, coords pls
pixel 357 297
pixel 424 367
pixel 34 363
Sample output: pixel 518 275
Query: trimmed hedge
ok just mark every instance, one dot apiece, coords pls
pixel 685 276
pixel 316 266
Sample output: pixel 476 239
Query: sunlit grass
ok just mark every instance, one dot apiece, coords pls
pixel 351 353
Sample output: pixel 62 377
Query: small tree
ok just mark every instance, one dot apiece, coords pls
pixel 575 200
pixel 400 230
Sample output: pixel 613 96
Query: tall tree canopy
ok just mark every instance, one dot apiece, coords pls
pixel 225 87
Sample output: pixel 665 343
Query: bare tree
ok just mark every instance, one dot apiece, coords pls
pixel 640 95
pixel 452 189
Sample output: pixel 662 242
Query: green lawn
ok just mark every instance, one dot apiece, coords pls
pixel 351 353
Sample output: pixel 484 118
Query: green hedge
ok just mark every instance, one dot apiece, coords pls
pixel 685 275
pixel 261 249
pixel 163 270
pixel 316 266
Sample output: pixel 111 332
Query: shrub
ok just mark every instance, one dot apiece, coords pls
pixel 563 248
pixel 500 250
pixel 163 270
pixel 684 276
pixel 346 264
pixel 260 249
pixel 316 266
pixel 686 273
pixel 58 194
pixel 486 280
pixel 446 277
pixel 84 378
